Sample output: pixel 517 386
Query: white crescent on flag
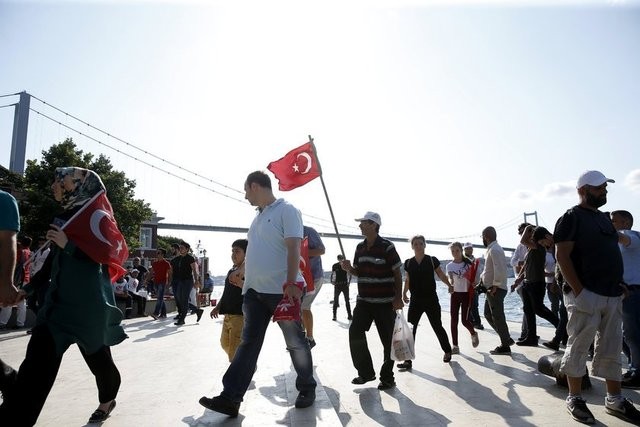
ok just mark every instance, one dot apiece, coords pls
pixel 94 223
pixel 308 157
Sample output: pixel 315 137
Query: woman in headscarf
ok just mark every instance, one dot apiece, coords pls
pixel 79 308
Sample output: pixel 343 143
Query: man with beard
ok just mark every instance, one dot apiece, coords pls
pixel 494 278
pixel 590 260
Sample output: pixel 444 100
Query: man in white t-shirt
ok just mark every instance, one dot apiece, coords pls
pixel 271 274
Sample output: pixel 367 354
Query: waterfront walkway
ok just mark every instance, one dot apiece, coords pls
pixel 165 370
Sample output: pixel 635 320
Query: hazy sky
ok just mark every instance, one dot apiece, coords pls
pixel 442 118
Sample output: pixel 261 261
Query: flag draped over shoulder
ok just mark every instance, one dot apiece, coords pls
pixel 95 231
pixel 305 265
pixel 296 168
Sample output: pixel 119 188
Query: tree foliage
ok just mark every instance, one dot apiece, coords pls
pixel 38 207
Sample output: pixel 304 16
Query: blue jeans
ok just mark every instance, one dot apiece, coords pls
pixel 631 325
pixel 258 309
pixel 161 308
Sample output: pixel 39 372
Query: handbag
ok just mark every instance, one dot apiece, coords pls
pixel 402 344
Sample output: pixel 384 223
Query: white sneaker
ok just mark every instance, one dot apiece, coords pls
pixel 475 340
pixel 455 350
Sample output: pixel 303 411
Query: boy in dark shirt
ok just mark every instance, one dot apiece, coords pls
pixel 231 301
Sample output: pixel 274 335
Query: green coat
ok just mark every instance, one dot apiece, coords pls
pixel 79 305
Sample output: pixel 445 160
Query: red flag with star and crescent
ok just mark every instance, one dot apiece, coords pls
pixel 95 231
pixel 296 168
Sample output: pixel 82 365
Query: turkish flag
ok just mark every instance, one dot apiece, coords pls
pixel 95 231
pixel 296 168
pixel 305 266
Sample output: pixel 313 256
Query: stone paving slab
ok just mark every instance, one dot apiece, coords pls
pixel 165 370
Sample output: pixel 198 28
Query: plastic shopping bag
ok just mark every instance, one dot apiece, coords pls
pixel 402 345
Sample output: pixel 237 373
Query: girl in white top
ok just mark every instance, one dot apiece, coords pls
pixel 461 295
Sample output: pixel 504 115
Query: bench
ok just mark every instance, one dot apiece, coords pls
pixel 169 302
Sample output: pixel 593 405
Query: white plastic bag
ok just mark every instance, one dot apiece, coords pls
pixel 402 345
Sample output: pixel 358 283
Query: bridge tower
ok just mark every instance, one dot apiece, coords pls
pixel 19 138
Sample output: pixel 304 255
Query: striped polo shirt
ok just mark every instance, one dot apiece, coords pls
pixel 375 265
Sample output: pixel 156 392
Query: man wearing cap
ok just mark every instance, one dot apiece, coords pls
pixel 475 314
pixel 590 260
pixel 376 263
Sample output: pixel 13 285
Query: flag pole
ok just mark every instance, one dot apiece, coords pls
pixel 326 195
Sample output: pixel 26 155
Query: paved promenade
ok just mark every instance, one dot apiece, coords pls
pixel 165 370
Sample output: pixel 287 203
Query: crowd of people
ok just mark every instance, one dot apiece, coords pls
pixel 588 267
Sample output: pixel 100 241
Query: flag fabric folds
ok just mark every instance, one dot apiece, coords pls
pixel 296 168
pixel 95 231
pixel 305 265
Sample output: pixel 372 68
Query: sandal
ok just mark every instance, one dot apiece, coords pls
pixel 99 415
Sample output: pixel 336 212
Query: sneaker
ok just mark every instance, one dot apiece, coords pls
pixel 577 407
pixel 628 374
pixel 446 358
pixel 312 343
pixel 155 316
pixel 407 364
pixel 475 340
pixel 623 409
pixel 221 404
pixel 501 350
pixel 455 350
pixel 386 385
pixel 305 398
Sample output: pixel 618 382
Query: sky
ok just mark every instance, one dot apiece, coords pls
pixel 443 117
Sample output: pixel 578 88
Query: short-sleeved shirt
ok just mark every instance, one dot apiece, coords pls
pixel 631 258
pixel 375 265
pixel 595 256
pixel 266 259
pixel 458 271
pixel 341 277
pixel 421 277
pixel 181 266
pixel 9 214
pixel 315 242
pixel 160 270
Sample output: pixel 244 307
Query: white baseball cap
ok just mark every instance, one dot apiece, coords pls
pixel 592 178
pixel 371 216
pixel 467 245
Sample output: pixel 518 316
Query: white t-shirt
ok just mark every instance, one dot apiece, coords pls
pixel 119 287
pixel 266 259
pixel 132 285
pixel 457 270
pixel 549 267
